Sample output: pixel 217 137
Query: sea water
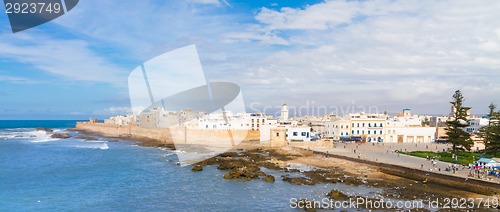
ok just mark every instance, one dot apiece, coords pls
pixel 45 174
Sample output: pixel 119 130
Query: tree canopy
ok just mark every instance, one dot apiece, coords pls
pixel 458 121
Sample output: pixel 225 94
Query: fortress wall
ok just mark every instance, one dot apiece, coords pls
pixel 166 135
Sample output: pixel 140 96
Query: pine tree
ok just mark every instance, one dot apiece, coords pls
pixel 456 135
pixel 491 133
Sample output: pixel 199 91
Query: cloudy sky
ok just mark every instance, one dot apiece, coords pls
pixel 385 53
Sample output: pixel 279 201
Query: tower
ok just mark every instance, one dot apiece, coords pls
pixel 407 112
pixel 284 113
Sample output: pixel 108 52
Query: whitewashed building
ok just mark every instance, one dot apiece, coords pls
pixel 476 123
pixel 410 134
pixel 302 134
pixel 121 120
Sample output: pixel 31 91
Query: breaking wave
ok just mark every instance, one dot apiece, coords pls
pixel 27 134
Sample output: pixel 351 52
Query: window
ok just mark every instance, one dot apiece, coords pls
pixel 369 125
pixel 374 132
pixel 358 132
pixel 304 134
pixel 277 134
pixel 295 133
pixel 381 125
pixel 341 133
pixel 363 131
pixel 363 124
pixel 352 124
pixel 368 132
pixel 381 132
pixel 352 131
pixel 358 124
pixel 375 125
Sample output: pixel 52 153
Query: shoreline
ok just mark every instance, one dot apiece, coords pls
pixel 466 184
pixel 359 172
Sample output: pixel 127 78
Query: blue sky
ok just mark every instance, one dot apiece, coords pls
pixel 385 53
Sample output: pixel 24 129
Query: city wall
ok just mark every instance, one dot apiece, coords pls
pixel 166 135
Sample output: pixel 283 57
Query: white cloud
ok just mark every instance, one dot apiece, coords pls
pixel 214 2
pixel 12 79
pixel 114 111
pixel 393 53
pixel 72 59
pixel 264 38
pixel 319 16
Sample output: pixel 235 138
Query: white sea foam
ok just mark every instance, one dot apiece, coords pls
pixel 94 145
pixel 24 133
pixel 41 136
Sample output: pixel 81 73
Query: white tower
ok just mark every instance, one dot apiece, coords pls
pixel 284 113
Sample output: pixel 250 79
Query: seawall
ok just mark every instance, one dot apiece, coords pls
pixel 470 184
pixel 166 135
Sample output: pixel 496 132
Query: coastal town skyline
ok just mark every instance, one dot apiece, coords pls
pixel 229 105
pixel 389 54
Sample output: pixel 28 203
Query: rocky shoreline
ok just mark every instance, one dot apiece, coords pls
pixel 245 162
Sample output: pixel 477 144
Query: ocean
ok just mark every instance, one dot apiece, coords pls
pixel 45 174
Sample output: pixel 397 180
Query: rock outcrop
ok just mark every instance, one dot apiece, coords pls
pixel 88 138
pixel 47 130
pixel 269 179
pixel 197 168
pixel 60 135
pixel 298 180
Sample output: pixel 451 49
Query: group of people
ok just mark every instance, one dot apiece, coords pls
pixel 483 171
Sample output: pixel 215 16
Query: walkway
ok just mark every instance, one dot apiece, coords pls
pixel 385 153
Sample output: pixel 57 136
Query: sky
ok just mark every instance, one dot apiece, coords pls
pixel 340 55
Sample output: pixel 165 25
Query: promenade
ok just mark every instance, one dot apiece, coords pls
pixel 386 153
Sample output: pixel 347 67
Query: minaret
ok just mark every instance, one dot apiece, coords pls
pixel 284 113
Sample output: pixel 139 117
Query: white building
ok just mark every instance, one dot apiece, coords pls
pixel 476 123
pixel 121 120
pixel 225 121
pixel 338 129
pixel 405 119
pixel 407 134
pixel 298 134
pixel 284 113
pixel 370 127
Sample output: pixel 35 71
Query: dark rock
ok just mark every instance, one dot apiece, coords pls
pixel 60 135
pixel 230 164
pixel 88 138
pixel 325 176
pixel 253 168
pixel 18 136
pixel 337 195
pixel 197 168
pixel 261 173
pixel 47 130
pixel 229 154
pixel 241 173
pixel 269 178
pixel 298 180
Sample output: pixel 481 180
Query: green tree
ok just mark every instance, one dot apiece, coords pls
pixel 491 133
pixel 456 135
pixel 426 122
